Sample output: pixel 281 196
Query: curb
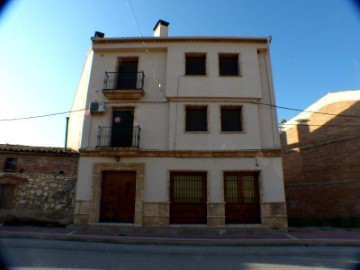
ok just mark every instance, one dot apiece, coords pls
pixel 182 241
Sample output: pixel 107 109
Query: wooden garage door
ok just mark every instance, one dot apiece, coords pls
pixel 118 197
pixel 242 198
pixel 188 198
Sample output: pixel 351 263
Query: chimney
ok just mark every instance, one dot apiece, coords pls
pixel 99 35
pixel 161 29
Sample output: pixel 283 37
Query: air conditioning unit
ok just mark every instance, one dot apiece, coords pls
pixel 97 107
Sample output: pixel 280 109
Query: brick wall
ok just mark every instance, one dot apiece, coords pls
pixel 321 165
pixel 47 188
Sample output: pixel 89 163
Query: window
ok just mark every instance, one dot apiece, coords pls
pixel 188 187
pixel 10 165
pixel 229 64
pixel 196 118
pixel 241 188
pixel 128 73
pixel 231 119
pixel 195 64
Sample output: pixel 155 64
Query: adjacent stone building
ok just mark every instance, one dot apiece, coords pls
pixel 175 135
pixel 37 183
pixel 321 162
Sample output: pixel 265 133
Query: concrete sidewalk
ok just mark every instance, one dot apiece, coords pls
pixel 294 237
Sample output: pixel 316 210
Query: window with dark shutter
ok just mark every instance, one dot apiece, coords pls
pixel 196 118
pixel 229 64
pixel 231 119
pixel 10 165
pixel 195 64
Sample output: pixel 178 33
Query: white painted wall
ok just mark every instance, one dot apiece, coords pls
pixel 75 128
pixel 161 120
pixel 267 114
pixel 161 114
pixel 214 138
pixel 212 85
pixel 152 108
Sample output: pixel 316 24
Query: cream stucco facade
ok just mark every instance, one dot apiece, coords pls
pixel 164 144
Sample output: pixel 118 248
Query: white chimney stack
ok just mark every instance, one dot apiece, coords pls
pixel 161 29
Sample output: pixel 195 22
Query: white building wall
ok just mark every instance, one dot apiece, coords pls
pixel 150 109
pixel 212 85
pixel 214 138
pixel 267 114
pixel 76 120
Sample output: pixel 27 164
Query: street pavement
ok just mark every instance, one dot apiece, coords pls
pixel 292 237
pixel 28 254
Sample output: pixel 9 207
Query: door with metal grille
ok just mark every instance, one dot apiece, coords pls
pixel 242 198
pixel 188 198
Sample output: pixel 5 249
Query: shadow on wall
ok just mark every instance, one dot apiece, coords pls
pixel 321 168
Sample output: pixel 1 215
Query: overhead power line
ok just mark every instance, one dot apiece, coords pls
pixel 257 103
pixel 38 116
pixel 299 110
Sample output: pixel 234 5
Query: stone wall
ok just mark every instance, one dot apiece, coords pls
pixel 44 185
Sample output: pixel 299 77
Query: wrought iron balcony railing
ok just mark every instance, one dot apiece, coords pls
pixel 124 80
pixel 125 137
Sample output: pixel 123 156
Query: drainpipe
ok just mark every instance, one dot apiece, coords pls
pixel 66 133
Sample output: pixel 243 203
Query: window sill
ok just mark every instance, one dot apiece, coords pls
pixel 232 132
pixel 197 132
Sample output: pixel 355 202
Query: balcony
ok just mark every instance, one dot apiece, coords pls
pixel 124 85
pixel 124 137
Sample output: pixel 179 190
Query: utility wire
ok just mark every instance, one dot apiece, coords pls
pixel 38 116
pixel 135 18
pixel 299 110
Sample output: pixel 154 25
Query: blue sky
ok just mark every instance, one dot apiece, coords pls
pixel 315 49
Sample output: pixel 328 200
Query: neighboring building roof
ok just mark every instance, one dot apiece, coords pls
pixel 332 97
pixel 182 39
pixel 7 148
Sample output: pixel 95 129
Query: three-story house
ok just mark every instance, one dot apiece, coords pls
pixel 175 133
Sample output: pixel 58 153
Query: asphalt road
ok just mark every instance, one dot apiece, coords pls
pixel 48 254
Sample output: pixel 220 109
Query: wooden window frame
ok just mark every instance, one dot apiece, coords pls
pixel 205 107
pixel 232 107
pixel 195 55
pixel 230 55
pixel 10 164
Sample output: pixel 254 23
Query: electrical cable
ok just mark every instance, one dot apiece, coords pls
pixel 299 110
pixel 38 116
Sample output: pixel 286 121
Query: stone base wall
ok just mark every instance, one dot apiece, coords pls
pixel 30 216
pixel 82 212
pixel 216 214
pixel 274 215
pixel 156 214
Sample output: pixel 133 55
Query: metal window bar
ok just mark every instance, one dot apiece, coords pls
pixel 241 189
pixel 123 137
pixel 188 189
pixel 124 80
